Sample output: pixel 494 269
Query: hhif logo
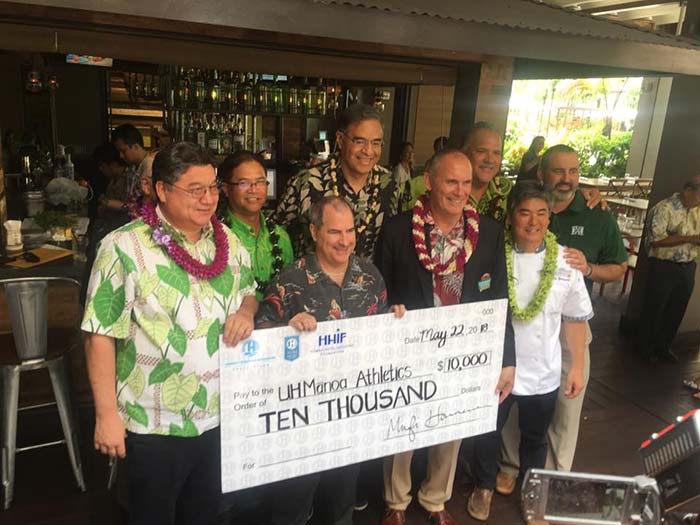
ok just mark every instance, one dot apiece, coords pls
pixel 577 230
pixel 291 347
pixel 249 347
pixel 332 339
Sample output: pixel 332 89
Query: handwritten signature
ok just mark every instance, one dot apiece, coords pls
pixel 399 427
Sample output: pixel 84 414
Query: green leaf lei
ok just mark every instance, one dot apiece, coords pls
pixel 546 278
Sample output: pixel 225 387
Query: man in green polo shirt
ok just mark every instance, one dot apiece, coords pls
pixel 245 186
pixel 594 247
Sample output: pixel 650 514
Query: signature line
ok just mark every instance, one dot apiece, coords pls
pixel 432 429
pixel 304 457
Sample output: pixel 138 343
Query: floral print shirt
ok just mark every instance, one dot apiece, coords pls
pixel 304 287
pixel 494 201
pixel 308 186
pixel 670 217
pixel 166 324
pixel 447 289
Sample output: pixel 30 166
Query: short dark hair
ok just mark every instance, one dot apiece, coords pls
pixel 175 159
pixel 528 189
pixel 558 148
pixel 128 134
pixel 107 154
pixel 434 161
pixel 358 113
pixel 230 163
pixel 440 144
pixel 478 126
pixel 316 212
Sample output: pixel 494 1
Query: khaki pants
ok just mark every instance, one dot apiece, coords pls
pixel 435 490
pixel 562 435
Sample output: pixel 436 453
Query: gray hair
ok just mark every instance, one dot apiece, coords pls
pixel 434 162
pixel 316 212
pixel 478 126
pixel 358 113
pixel 528 189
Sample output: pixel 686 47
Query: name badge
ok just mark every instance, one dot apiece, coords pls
pixel 485 282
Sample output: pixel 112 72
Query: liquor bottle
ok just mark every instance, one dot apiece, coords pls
pixel 69 167
pixel 305 96
pixel 225 81
pixel 312 106
pixel 225 138
pixel 276 98
pixel 238 135
pixel 260 94
pixel 200 91
pixel 201 132
pixel 321 98
pixel 190 129
pixel 292 96
pixel 212 136
pixel 59 161
pixel 245 94
pixel 192 91
pixel 214 91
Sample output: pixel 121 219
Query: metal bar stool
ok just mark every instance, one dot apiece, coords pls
pixel 27 300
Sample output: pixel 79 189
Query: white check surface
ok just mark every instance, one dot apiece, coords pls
pixel 357 389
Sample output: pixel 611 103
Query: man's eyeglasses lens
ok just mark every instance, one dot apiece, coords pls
pixel 245 185
pixel 363 142
pixel 199 191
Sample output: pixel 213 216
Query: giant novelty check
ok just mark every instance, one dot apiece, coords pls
pixel 357 389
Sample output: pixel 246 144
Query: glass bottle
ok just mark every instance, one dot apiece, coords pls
pixel 212 136
pixel 225 138
pixel 321 98
pixel 201 132
pixel 215 91
pixel 305 97
pixel 199 89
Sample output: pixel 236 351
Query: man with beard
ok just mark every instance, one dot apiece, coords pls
pixel 594 246
pixel 352 174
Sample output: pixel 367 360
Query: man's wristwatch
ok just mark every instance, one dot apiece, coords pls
pixel 590 270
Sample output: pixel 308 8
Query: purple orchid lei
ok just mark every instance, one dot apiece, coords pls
pixel 178 254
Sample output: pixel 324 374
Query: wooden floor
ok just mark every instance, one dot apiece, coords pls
pixel 627 399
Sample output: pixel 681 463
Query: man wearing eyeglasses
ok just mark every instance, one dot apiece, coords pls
pixel 353 174
pixel 163 290
pixel 242 176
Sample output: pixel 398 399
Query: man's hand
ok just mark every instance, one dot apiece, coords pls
pixel 237 327
pixel 109 435
pixel 505 383
pixel 576 259
pixel 398 310
pixel 593 198
pixel 574 382
pixel 304 322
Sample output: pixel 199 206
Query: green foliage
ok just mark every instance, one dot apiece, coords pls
pixel 600 155
pixel 46 220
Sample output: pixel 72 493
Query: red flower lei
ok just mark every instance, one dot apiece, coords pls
pixel 456 263
pixel 178 254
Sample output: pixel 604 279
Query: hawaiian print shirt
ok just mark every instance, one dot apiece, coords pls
pixel 304 287
pixel 308 186
pixel 166 324
pixel 447 289
pixel 260 248
pixel 670 217
pixel 494 201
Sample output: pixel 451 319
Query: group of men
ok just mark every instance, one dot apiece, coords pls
pixel 164 286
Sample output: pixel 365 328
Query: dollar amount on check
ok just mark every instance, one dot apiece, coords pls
pixel 357 389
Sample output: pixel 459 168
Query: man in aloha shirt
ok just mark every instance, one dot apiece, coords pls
pixel 153 329
pixel 489 190
pixel 243 181
pixel 328 284
pixel 372 191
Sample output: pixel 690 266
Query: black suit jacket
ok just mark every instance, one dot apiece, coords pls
pixel 410 284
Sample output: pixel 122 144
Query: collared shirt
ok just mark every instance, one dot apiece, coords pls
pixel 447 289
pixel 669 217
pixel 593 231
pixel 537 347
pixel 167 326
pixel 259 246
pixel 308 186
pixel 494 201
pixel 305 287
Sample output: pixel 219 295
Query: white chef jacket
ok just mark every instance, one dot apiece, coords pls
pixel 537 347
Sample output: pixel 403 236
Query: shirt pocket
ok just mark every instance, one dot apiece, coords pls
pixel 555 299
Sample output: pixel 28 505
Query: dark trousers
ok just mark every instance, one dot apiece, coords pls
pixel 669 287
pixel 174 480
pixel 292 498
pixel 534 416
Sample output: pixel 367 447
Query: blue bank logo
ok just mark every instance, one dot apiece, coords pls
pixel 250 347
pixel 332 339
pixel 291 347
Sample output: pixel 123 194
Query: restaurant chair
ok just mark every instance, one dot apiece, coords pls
pixel 620 187
pixel 27 301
